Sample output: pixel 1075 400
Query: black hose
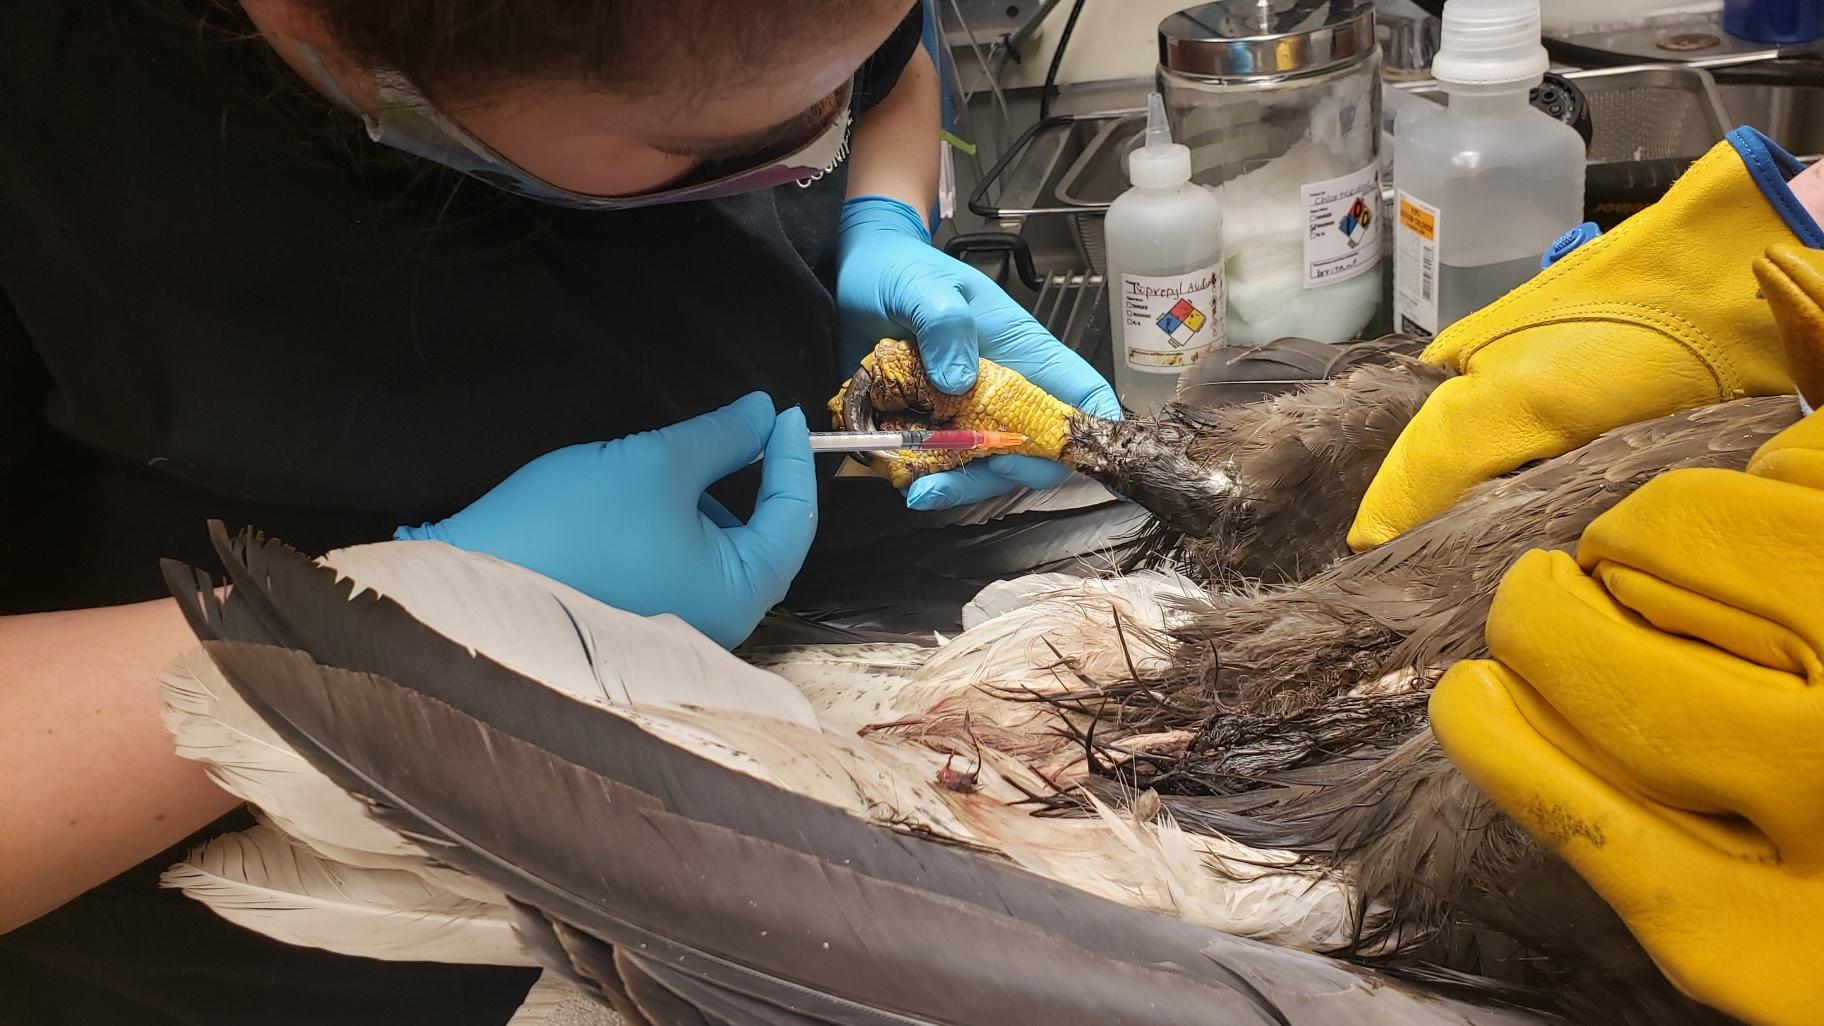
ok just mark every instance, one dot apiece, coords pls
pixel 1057 59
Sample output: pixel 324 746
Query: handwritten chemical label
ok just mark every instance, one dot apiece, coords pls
pixel 1342 226
pixel 1415 267
pixel 1169 321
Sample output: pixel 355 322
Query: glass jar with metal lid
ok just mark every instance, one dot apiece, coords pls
pixel 1280 104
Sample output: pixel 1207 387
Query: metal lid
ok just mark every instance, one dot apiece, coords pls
pixel 1265 38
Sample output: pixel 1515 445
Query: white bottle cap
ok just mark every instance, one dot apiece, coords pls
pixel 1491 43
pixel 1161 163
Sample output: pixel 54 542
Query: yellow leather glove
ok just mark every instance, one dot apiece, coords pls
pixel 1656 716
pixel 1656 316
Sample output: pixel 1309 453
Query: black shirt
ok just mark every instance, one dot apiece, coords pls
pixel 219 299
pixel 225 301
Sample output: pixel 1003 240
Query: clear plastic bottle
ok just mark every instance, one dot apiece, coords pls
pixel 1165 275
pixel 1487 184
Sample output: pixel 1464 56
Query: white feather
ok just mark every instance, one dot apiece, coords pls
pixel 850 686
pixel 1027 618
pixel 560 636
pixel 1003 597
pixel 437 875
pixel 213 726
pixel 1049 634
pixel 260 880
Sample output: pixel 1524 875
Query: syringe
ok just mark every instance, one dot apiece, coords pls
pixel 866 441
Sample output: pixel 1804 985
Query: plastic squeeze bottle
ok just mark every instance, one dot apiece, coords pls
pixel 1487 184
pixel 1165 285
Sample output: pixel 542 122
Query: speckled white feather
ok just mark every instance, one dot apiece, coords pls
pixel 849 686
pixel 260 880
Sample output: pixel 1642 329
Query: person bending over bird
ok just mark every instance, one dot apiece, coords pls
pixel 452 269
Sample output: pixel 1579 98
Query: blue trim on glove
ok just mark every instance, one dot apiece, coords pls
pixel 1771 167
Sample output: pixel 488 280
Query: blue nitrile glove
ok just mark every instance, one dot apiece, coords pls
pixel 891 283
pixel 628 522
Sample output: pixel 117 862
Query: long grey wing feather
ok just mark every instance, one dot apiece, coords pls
pixel 597 979
pixel 823 930
pixel 196 597
pixel 715 1002
pixel 721 1005
pixel 654 1001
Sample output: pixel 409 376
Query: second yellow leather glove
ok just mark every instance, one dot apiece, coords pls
pixel 1656 316
pixel 1656 716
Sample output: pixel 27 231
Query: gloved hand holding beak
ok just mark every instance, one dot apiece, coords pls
pixel 892 283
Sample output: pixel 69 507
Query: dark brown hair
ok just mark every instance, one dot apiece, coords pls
pixel 456 47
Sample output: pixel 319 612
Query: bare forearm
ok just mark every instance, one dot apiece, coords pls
pixel 89 782
pixel 895 145
pixel 1808 188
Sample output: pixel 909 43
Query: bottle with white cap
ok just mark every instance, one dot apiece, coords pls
pixel 1165 284
pixel 1489 183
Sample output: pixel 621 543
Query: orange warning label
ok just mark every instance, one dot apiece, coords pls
pixel 1418 220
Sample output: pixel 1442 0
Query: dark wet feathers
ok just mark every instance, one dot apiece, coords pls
pixel 1308 699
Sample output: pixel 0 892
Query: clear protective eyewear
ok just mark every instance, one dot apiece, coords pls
pixel 408 121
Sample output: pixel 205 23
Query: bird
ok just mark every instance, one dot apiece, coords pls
pixel 1200 791
pixel 687 837
pixel 1292 717
pixel 1146 701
